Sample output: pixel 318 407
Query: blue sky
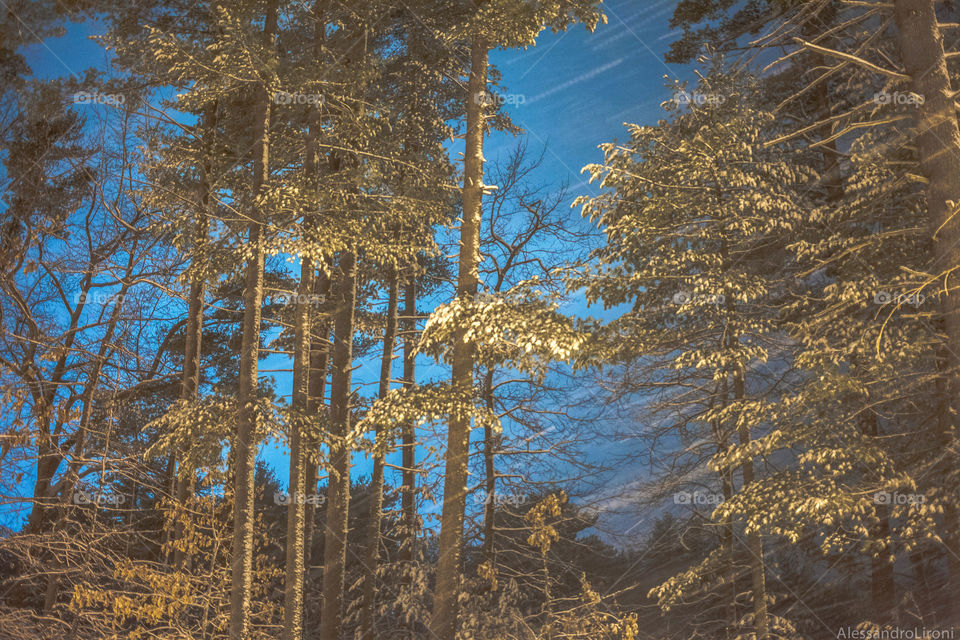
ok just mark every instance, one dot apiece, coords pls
pixel 571 92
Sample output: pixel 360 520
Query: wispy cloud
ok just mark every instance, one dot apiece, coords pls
pixel 581 78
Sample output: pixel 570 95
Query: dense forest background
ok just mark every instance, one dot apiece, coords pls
pixel 305 335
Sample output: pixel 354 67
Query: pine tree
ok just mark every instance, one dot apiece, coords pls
pixel 492 23
pixel 696 216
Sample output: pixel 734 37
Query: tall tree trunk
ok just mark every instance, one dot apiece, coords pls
pixel 245 445
pixel 726 536
pixel 190 384
pixel 443 624
pixel 761 623
pixel 372 552
pixel 296 510
pixel 408 449
pixel 938 140
pixel 319 359
pixel 320 334
pixel 490 479
pixel 408 496
pixel 924 599
pixel 303 473
pixel 338 493
pixel 882 585
pixel 832 177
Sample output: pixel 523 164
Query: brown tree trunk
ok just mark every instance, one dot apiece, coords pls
pixel 882 586
pixel 726 536
pixel 832 178
pixel 319 349
pixel 296 510
pixel 490 479
pixel 319 358
pixel 937 139
pixel 408 496
pixel 338 493
pixel 443 624
pixel 372 552
pixel 190 384
pixel 303 472
pixel 761 623
pixel 245 445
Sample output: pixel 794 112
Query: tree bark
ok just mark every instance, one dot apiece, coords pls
pixel 319 359
pixel 882 585
pixel 245 445
pixel 937 139
pixel 831 177
pixel 319 349
pixel 409 454
pixel 296 510
pixel 443 623
pixel 190 384
pixel 338 493
pixel 726 536
pixel 490 478
pixel 371 555
pixel 761 623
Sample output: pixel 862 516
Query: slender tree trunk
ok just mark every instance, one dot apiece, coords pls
pixel 319 351
pixel 490 479
pixel 547 598
pixel 303 473
pixel 319 358
pixel 296 510
pixel 372 552
pixel 832 178
pixel 443 624
pixel 189 391
pixel 246 445
pixel 338 494
pixel 731 557
pixel 924 599
pixel 882 585
pixel 408 451
pixel 190 384
pixel 408 497
pixel 726 536
pixel 758 577
pixel 938 140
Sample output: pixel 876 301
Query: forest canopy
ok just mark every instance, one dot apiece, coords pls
pixel 307 332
